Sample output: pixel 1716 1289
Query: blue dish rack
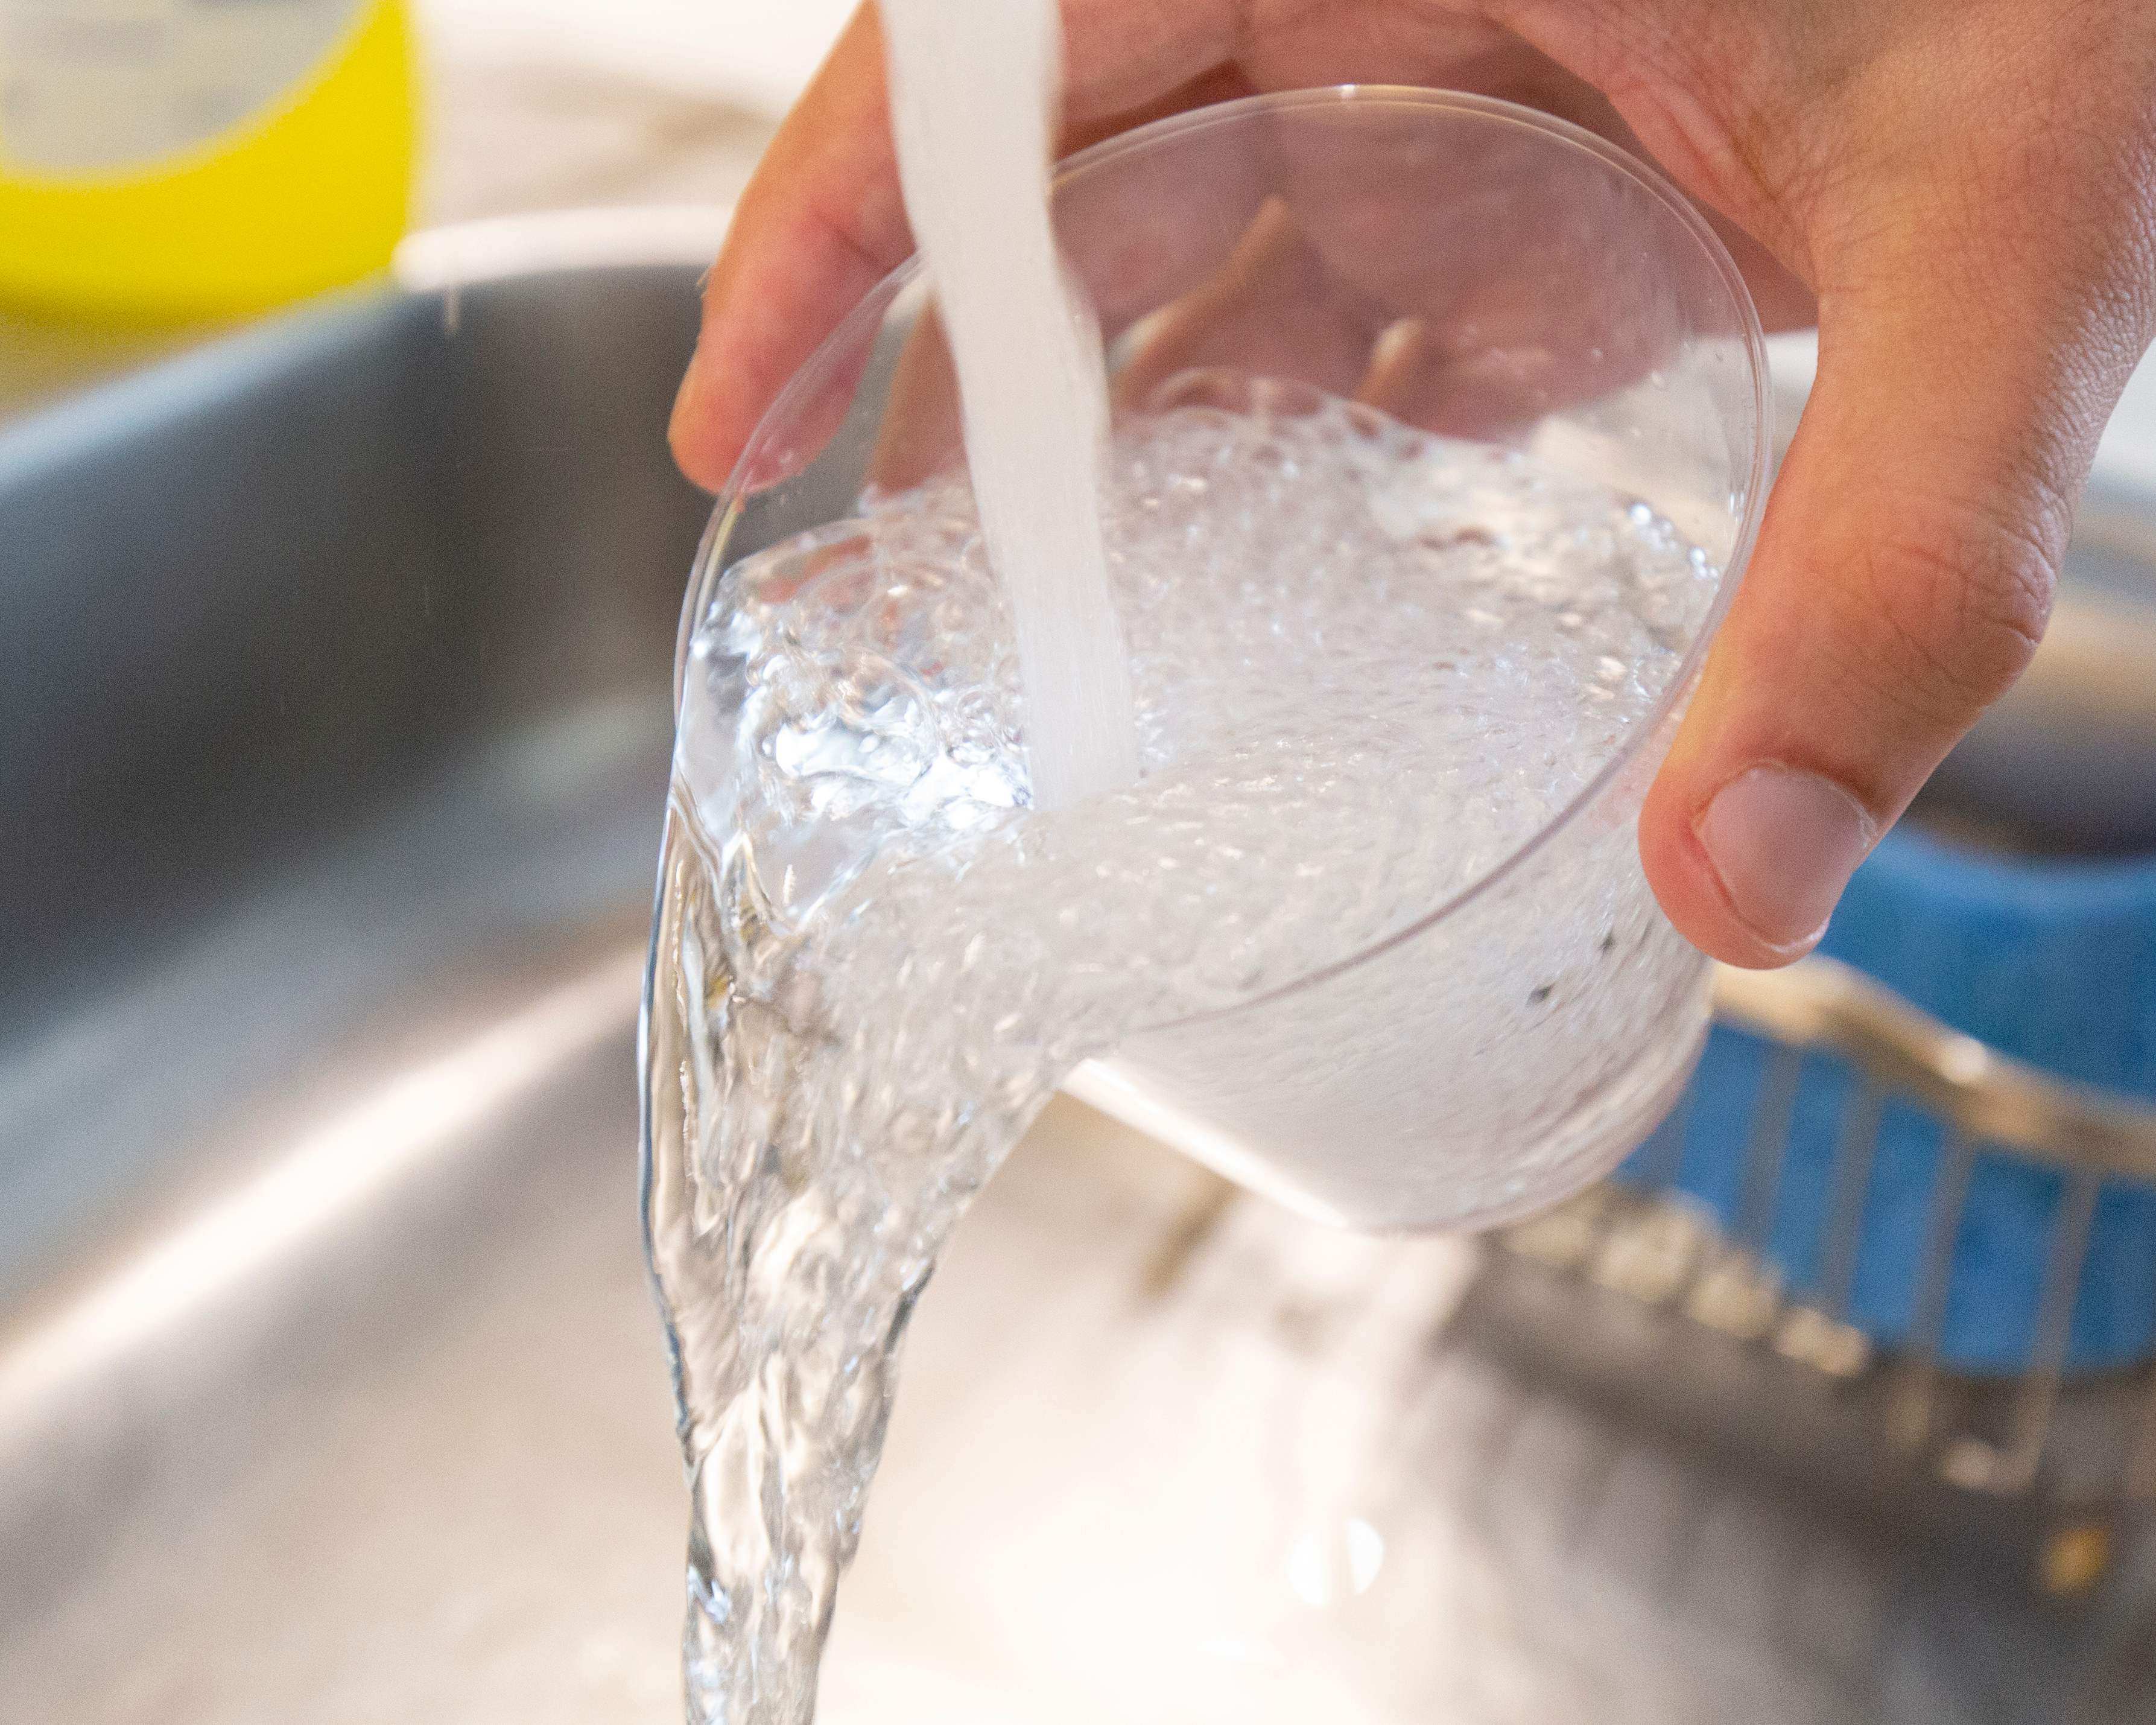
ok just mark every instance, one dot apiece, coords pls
pixel 1838 1169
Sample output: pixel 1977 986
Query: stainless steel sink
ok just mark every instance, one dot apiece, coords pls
pixel 334 666
pixel 334 671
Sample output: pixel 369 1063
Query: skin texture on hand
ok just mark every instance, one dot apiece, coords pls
pixel 1962 191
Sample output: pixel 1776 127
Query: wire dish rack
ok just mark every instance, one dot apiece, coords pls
pixel 2079 1451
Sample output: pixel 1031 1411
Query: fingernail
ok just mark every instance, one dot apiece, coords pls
pixel 1784 843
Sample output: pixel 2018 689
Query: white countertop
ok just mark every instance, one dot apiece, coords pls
pixel 2129 450
pixel 759 52
pixel 2129 447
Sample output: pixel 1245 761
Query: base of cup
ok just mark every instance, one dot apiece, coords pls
pixel 1591 1140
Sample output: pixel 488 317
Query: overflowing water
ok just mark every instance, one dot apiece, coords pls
pixel 1366 664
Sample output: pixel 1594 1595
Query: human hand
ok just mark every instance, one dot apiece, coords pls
pixel 1967 187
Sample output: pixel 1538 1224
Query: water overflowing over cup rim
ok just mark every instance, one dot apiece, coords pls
pixel 705 572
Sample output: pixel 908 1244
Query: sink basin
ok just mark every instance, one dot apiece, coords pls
pixel 334 666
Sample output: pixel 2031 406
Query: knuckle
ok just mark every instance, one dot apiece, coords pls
pixel 1961 595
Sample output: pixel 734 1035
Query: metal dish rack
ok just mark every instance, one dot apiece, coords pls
pixel 2081 1452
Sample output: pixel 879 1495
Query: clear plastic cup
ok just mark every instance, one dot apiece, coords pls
pixel 1486 272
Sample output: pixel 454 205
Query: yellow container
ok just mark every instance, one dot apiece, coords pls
pixel 171 159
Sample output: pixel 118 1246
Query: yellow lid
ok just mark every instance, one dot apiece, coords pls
pixel 167 160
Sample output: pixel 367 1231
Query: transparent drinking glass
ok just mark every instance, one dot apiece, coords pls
pixel 1486 272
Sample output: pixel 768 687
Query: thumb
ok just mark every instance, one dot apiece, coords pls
pixel 1903 576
